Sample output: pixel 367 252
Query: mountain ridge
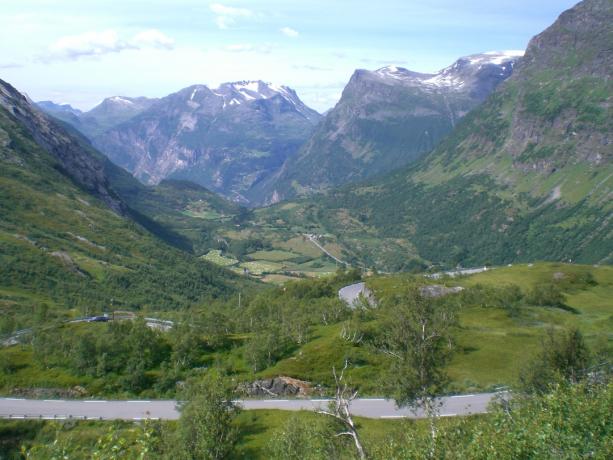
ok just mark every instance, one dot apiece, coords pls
pixel 385 119
pixel 225 138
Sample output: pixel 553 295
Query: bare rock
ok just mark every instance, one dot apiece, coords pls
pixel 279 386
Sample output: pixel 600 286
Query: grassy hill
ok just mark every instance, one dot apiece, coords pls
pixel 501 325
pixel 65 251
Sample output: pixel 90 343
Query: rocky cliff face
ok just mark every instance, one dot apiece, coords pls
pixel 77 160
pixel 386 119
pixel 226 139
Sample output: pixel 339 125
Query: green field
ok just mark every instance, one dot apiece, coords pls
pixel 215 256
pixel 273 256
pixel 495 345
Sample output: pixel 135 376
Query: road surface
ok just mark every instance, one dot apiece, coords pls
pixel 167 410
pixel 462 272
pixel 313 239
pixel 351 294
pixel 152 323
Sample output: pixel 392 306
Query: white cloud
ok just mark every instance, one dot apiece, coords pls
pixel 289 32
pixel 224 10
pixel 226 15
pixel 153 38
pixel 73 47
pixel 87 44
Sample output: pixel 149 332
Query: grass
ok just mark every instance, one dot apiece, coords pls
pixel 256 429
pixel 215 256
pixel 260 267
pixel 314 360
pixel 300 245
pixel 278 279
pixel 27 373
pixel 493 346
pixel 272 256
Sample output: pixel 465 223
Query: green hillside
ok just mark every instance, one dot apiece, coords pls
pixel 65 252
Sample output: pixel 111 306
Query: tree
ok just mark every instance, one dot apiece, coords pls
pixel 266 348
pixel 562 356
pixel 418 338
pixel 339 409
pixel 304 436
pixel 206 427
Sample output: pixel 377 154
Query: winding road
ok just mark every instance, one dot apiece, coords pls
pixel 51 409
pixel 313 239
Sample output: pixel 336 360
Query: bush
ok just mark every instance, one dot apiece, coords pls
pixel 546 295
pixel 564 357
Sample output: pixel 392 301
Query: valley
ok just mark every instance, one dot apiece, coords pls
pixel 424 270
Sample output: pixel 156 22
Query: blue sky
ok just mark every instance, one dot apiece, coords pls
pixel 81 51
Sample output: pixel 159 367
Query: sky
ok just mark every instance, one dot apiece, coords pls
pixel 81 51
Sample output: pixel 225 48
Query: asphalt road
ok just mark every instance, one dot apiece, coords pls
pixel 167 410
pixel 351 293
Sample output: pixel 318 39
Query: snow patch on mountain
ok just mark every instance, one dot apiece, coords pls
pixel 455 77
pixel 120 100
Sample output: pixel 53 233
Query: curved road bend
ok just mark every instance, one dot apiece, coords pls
pixel 167 410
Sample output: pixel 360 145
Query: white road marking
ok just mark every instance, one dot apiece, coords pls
pixel 371 407
pixel 463 396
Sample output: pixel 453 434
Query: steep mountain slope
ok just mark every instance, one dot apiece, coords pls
pixel 387 119
pixel 86 168
pixel 528 175
pixel 68 240
pixel 225 139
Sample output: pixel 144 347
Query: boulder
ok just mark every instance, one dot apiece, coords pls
pixel 278 386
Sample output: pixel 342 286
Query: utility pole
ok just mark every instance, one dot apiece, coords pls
pixel 239 300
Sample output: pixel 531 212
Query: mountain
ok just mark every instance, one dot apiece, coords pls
pixel 109 113
pixel 226 139
pixel 84 167
pixel 527 175
pixel 70 240
pixel 64 112
pixel 386 119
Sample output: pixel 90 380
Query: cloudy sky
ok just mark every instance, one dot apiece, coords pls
pixel 81 51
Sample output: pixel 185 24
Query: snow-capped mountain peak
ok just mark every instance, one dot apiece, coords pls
pixel 461 75
pixel 399 73
pixel 120 100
